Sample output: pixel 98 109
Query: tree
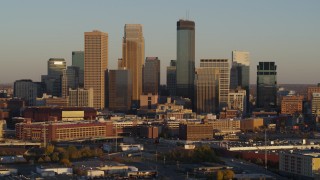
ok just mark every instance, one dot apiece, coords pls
pixel 65 162
pixel 219 175
pixel 228 174
pixel 49 150
pixel 55 157
pixel 47 159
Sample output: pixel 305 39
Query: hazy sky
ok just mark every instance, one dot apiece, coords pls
pixel 284 31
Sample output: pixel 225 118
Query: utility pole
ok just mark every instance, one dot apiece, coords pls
pixel 265 150
pixel 116 137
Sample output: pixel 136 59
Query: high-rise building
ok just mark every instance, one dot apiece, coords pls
pixel 315 104
pixel 73 77
pixel 240 73
pixel 266 85
pixel 81 97
pixel 291 104
pixel 96 65
pixel 120 92
pixel 78 61
pixel 224 77
pixel 185 58
pixel 237 100
pixel 133 57
pixel 172 78
pixel 206 90
pixel 56 66
pixel 151 75
pixel 26 90
pixel 312 89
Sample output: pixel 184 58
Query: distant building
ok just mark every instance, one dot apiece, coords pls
pixel 300 163
pixel 315 104
pixel 291 104
pixel 172 78
pixel 26 90
pixel 225 125
pixel 149 101
pixel 120 92
pixel 80 97
pixel 310 90
pixel 185 58
pixel 3 126
pixel 207 90
pixel 222 65
pixel 78 61
pixel 73 77
pixel 133 57
pixel 266 85
pixel 56 66
pixel 252 124
pixel 240 73
pixel 63 131
pixel 195 132
pixel 237 100
pixel 150 132
pixel 230 113
pixel 96 65
pixel 151 75
pixel 42 114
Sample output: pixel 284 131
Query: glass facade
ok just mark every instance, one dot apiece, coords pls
pixel 78 60
pixel 266 85
pixel 185 58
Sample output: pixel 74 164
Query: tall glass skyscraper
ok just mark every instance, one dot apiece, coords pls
pixel 185 58
pixel 78 60
pixel 133 57
pixel 172 77
pixel 240 73
pixel 266 85
pixel 151 75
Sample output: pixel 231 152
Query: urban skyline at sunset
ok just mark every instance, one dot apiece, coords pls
pixel 282 31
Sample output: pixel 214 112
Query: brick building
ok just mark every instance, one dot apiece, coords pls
pixel 291 104
pixel 193 131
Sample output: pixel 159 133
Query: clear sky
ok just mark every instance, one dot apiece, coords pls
pixel 284 31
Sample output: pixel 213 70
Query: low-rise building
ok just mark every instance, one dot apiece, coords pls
pixel 291 104
pixel 300 163
pixel 251 124
pixel 194 131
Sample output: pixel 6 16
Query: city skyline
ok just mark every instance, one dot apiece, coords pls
pixel 269 31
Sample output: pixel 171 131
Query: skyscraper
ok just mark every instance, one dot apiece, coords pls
pixel 56 66
pixel 133 57
pixel 78 61
pixel 240 73
pixel 224 77
pixel 96 65
pixel 266 85
pixel 120 92
pixel 185 58
pixel 172 77
pixel 151 75
pixel 206 89
pixel 73 77
pixel 26 90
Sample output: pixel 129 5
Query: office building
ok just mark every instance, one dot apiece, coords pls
pixel 312 89
pixel 266 85
pixel 73 77
pixel 315 104
pixel 302 165
pixel 224 77
pixel 252 124
pixel 151 75
pixel 195 132
pixel 133 58
pixel 172 77
pixel 291 105
pixel 185 58
pixel 240 73
pixel 26 90
pixel 206 90
pixel 78 61
pixel 237 100
pixel 96 65
pixel 80 97
pixel 63 131
pixel 120 92
pixel 56 66
pixel 149 101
